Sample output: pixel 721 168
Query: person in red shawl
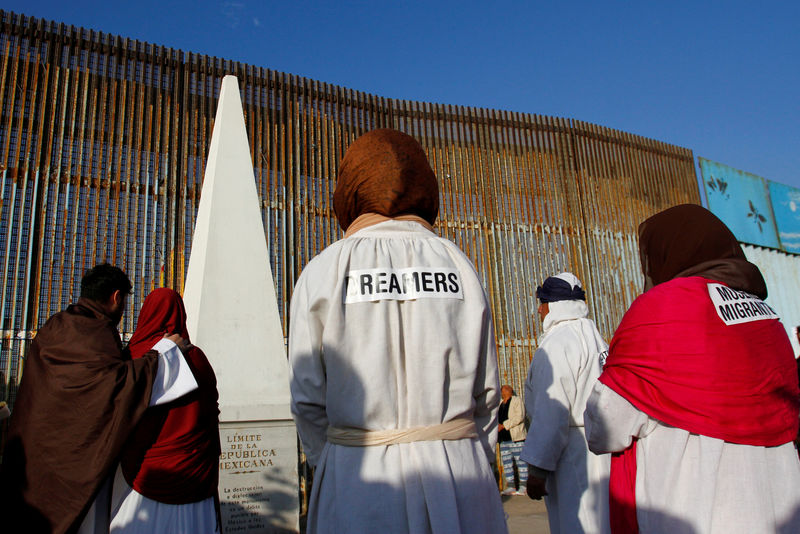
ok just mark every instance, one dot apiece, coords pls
pixel 81 395
pixel 698 398
pixel 169 465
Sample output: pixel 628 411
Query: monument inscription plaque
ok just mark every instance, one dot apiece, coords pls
pixel 258 470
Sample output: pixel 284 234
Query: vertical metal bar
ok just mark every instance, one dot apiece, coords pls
pixel 307 219
pixel 42 170
pixel 98 91
pixel 30 166
pixel 8 207
pixel 160 149
pixel 72 268
pixel 24 132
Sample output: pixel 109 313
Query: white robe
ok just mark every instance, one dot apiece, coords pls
pixel 395 362
pixel 565 366
pixel 173 380
pixel 693 484
pixel 133 513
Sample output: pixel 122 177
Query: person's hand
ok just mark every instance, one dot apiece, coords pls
pixel 182 344
pixel 500 427
pixel 536 487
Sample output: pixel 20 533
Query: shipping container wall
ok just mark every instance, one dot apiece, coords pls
pixel 103 143
pixel 782 274
pixel 742 201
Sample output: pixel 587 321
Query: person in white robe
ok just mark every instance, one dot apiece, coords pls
pixel 565 366
pixel 685 481
pixel 393 364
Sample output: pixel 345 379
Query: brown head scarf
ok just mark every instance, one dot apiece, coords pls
pixel 689 240
pixel 386 172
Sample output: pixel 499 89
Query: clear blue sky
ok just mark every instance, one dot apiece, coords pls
pixel 720 78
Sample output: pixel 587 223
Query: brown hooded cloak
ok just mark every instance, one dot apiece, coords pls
pixel 385 172
pixel 79 399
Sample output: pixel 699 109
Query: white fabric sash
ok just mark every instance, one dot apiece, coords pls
pixel 460 428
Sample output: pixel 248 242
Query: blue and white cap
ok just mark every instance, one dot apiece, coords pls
pixel 563 286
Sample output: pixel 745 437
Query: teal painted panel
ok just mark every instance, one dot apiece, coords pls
pixel 786 207
pixel 741 200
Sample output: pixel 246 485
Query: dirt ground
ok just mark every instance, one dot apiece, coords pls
pixel 525 516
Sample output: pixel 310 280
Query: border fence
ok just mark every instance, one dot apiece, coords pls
pixel 103 142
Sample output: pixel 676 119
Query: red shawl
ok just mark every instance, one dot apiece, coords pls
pixel 674 358
pixel 173 455
pixel 79 399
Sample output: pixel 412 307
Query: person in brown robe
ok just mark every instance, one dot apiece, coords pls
pixel 80 397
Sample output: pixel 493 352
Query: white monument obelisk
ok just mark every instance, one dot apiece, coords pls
pixel 232 314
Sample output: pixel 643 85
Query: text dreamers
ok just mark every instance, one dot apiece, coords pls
pixel 735 307
pixel 364 285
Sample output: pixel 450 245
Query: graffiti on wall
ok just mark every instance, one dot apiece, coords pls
pixel 742 201
pixel 786 208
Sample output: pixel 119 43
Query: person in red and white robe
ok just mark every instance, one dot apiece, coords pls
pixel 699 395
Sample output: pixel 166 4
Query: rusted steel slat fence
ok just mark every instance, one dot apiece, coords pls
pixel 103 142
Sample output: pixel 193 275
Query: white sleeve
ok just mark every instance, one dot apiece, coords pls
pixel 549 395
pixel 487 387
pixel 612 422
pixel 307 379
pixel 174 378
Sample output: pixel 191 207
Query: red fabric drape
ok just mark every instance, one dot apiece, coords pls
pixel 675 359
pixel 173 454
pixel 162 314
pixel 622 492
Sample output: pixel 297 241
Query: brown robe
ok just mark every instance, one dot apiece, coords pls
pixel 79 399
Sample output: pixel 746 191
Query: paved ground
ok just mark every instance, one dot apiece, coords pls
pixel 525 516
